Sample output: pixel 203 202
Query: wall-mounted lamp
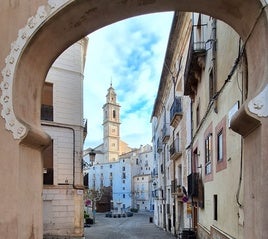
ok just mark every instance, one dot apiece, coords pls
pixel 92 155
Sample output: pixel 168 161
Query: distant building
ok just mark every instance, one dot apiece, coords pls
pixel 116 164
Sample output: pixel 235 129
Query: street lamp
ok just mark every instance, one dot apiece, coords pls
pixel 92 155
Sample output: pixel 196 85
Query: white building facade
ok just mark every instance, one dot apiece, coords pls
pixel 115 163
pixel 62 119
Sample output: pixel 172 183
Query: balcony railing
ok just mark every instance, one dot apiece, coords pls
pixel 165 133
pixel 195 61
pixel 175 150
pixel 176 112
pixel 173 186
pixel 159 146
pixel 193 184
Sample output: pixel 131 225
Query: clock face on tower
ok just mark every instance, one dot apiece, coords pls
pixel 113 130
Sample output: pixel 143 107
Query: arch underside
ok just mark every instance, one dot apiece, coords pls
pixel 62 23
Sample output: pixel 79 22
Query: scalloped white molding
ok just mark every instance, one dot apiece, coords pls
pixel 259 104
pixel 24 35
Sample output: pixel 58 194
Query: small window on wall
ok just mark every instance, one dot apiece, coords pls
pixel 48 170
pixel 220 133
pixel 47 102
pixel 114 114
pixel 197 115
pixel 208 153
pixel 215 200
pixel 220 146
pixel 208 137
pixel 211 84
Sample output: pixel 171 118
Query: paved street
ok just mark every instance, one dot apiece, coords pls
pixel 136 227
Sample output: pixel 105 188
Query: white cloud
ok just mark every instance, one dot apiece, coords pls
pixel 130 53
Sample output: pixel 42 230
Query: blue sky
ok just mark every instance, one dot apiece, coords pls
pixel 129 53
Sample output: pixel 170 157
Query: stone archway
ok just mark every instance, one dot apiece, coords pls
pixel 61 23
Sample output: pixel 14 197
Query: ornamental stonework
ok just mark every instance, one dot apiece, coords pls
pixel 24 35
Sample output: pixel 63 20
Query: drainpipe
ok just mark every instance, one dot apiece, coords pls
pixel 73 132
pixel 214 60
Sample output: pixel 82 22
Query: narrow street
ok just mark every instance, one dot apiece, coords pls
pixel 136 227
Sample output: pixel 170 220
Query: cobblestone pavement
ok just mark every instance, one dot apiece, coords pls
pixel 136 227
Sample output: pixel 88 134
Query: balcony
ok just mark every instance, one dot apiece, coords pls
pixel 193 184
pixel 165 133
pixel 159 146
pixel 176 112
pixel 195 61
pixel 175 150
pixel 176 190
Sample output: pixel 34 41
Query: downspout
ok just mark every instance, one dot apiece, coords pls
pixel 244 69
pixel 214 61
pixel 165 185
pixel 73 132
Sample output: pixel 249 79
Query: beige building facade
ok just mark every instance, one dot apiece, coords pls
pixel 171 119
pixel 201 172
pixel 217 87
pixel 41 30
pixel 62 120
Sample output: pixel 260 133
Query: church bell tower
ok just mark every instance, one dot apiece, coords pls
pixel 111 127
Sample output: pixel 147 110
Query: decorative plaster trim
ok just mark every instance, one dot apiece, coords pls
pixel 18 129
pixel 259 104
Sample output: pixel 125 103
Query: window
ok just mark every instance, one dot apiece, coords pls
pixel 197 114
pixel 111 182
pixel 124 196
pixel 215 200
pixel 47 102
pixel 208 153
pixel 124 181
pixel 48 165
pixel 124 188
pixel 137 161
pixel 94 183
pixel 219 147
pixel 111 166
pixel 101 183
pixel 124 175
pixel 114 114
pixel 211 84
pixel 123 168
pixel 220 131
